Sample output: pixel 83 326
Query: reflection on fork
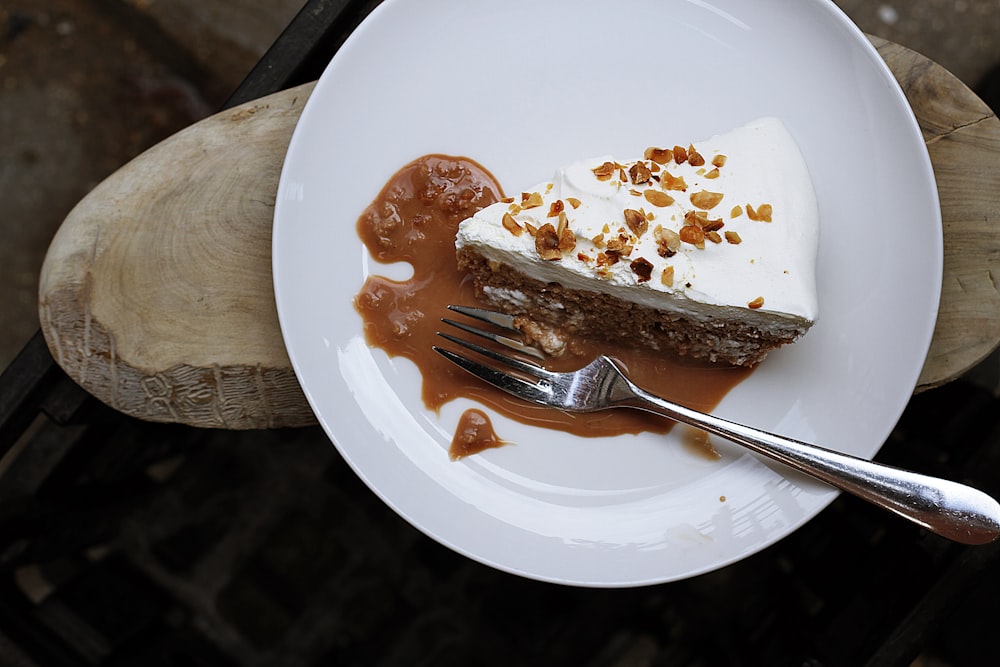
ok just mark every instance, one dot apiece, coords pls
pixel 952 510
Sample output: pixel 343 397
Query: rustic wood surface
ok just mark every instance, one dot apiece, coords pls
pixel 156 293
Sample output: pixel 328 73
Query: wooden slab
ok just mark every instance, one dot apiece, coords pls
pixel 156 293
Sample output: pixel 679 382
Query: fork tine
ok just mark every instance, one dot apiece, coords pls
pixel 524 389
pixel 525 367
pixel 497 338
pixel 501 320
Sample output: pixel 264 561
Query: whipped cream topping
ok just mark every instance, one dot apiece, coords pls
pixel 729 221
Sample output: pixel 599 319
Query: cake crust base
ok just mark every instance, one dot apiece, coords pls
pixel 555 313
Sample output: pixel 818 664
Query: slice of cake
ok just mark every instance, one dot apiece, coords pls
pixel 707 249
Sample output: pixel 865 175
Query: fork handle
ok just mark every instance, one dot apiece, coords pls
pixel 947 508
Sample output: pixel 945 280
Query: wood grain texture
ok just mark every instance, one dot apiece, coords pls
pixel 963 139
pixel 156 293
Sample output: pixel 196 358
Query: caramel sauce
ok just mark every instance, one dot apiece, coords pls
pixel 414 219
pixel 474 434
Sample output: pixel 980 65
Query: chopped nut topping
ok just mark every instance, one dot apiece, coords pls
pixel 514 209
pixel 607 258
pixel 621 174
pixel 671 182
pixel 555 208
pixel 563 223
pixel 634 192
pixel 643 268
pixel 719 160
pixel 706 200
pixel 713 174
pixel 658 198
pixel 733 238
pixel 668 242
pixel 694 157
pixel 510 224
pixel 620 246
pixel 636 221
pixel 693 234
pixel 736 211
pixel 713 236
pixel 658 155
pixel 712 225
pixel 574 202
pixel 604 172
pixel 598 240
pixel 507 200
pixel 680 155
pixel 756 303
pixel 667 277
pixel 547 243
pixel 639 173
pixel 531 228
pixel 532 200
pixel 761 214
pixel 567 240
pixel 586 259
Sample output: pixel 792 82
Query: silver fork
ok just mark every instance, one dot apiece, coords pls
pixel 955 511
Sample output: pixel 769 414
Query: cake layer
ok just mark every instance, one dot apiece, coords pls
pixel 554 316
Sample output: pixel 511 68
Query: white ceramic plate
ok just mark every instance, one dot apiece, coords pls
pixel 523 86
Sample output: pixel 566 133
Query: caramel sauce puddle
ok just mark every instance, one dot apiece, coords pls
pixel 414 220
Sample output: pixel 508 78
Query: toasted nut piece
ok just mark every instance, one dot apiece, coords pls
pixel 604 172
pixel 756 303
pixel 668 242
pixel 706 200
pixel 510 224
pixel 634 192
pixel 531 228
pixel 547 243
pixel 514 209
pixel 733 238
pixel 761 214
pixel 639 173
pixel 680 155
pixel 636 221
pixel 607 258
pixel 667 276
pixel 736 211
pixel 719 160
pixel 563 223
pixel 713 174
pixel 713 236
pixel 658 198
pixel 574 202
pixel 658 155
pixel 507 200
pixel 555 208
pixel 532 200
pixel 567 240
pixel 598 240
pixel 693 234
pixel 671 182
pixel 620 246
pixel 694 157
pixel 713 225
pixel 643 268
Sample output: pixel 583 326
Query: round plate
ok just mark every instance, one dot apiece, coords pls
pixel 523 87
